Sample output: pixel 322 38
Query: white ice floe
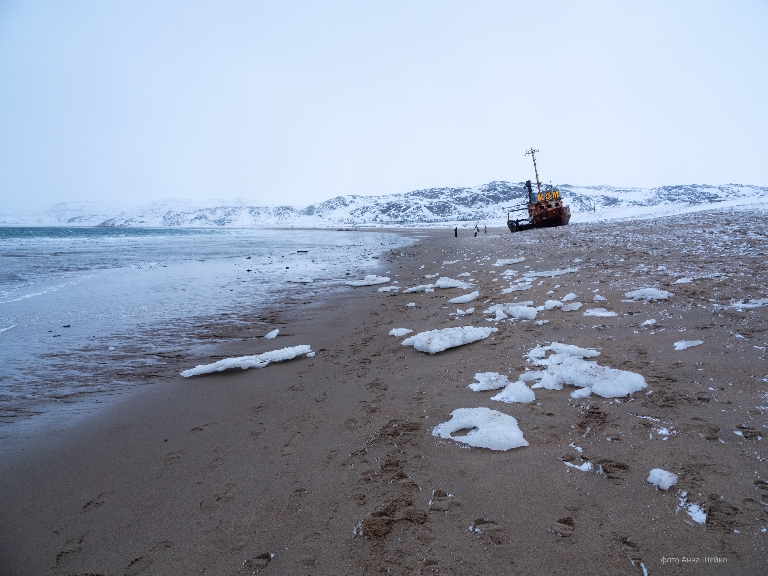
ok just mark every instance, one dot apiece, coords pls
pixel 435 341
pixel 6 329
pixel 684 280
pixel 648 294
pixel 509 272
pixel 445 282
pixel 464 298
pixel 244 362
pixel 566 365
pixel 463 275
pixel 550 273
pixel 522 310
pixel 272 334
pixel 411 304
pixel 572 307
pixel 487 429
pixel 515 392
pixel 683 344
pixel 585 467
pixel 650 322
pixel 500 315
pixel 488 381
pixel 400 332
pixel 598 298
pixel 568 297
pixel 388 288
pixel 420 288
pixel 430 276
pixel 369 280
pixel 599 312
pixel 662 479
pixel 460 312
pixel 552 304
pixel 753 303
pixel 509 262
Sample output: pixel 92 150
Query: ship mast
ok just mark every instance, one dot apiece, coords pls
pixel 532 153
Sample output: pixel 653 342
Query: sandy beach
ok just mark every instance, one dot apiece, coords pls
pixel 328 465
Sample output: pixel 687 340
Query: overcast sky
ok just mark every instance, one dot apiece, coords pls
pixel 296 102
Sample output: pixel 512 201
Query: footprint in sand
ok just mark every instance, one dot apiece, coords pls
pixel 138 566
pixel 563 527
pixel 96 502
pixel 487 528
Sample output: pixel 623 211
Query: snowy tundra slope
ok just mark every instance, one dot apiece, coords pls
pixel 436 206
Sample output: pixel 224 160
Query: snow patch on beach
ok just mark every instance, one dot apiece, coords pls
pixel 488 381
pixel 369 280
pixel 400 332
pixel 273 334
pixel 683 344
pixel 487 429
pixel 509 262
pixel 567 365
pixel 465 298
pixel 245 362
pixel 550 273
pixel 515 392
pixel 434 341
pixel 572 307
pixel 445 282
pixel 662 479
pixel 648 294
pixel 602 312
pixel 753 303
pixel 389 288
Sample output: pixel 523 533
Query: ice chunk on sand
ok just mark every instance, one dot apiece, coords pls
pixel 550 273
pixel 244 362
pixel 464 298
pixel 650 322
pixel 272 334
pixel 450 262
pixel 599 312
pixel 566 365
pixel 509 262
pixel 552 304
pixel 683 344
pixel 598 298
pixel 420 288
pixel 489 381
pixel 435 341
pixel 515 392
pixel 463 275
pixel 662 479
pixel 445 282
pixel 522 312
pixel 487 429
pixel 400 331
pixel 648 294
pixel 460 312
pixel 369 280
pixel 568 297
pixel 430 276
pixel 411 304
pixel 684 280
pixel 388 288
pixel 572 307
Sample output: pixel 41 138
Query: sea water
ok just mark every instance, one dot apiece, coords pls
pixel 88 309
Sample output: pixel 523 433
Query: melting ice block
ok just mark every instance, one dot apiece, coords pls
pixel 445 282
pixel 400 331
pixel 662 479
pixel 648 294
pixel 369 280
pixel 489 381
pixel 599 312
pixel 435 341
pixel 487 429
pixel 245 362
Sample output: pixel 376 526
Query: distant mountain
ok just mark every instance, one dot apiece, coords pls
pixel 488 203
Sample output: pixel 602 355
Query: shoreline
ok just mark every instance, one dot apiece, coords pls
pixel 327 465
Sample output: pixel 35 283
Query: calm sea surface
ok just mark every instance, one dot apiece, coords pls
pixel 86 309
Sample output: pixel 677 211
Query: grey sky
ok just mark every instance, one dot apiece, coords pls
pixel 296 102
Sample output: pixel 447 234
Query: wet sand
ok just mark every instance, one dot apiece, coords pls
pixel 327 465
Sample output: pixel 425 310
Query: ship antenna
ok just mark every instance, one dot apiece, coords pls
pixel 532 153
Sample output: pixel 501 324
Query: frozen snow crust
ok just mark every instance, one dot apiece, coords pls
pixel 435 341
pixel 487 429
pixel 245 362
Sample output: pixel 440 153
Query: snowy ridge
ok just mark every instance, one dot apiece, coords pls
pixel 435 206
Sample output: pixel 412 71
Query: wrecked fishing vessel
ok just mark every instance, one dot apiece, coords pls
pixel 545 207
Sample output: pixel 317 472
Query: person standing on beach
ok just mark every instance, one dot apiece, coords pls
pixel 456 232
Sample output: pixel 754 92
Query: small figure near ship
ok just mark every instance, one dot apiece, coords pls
pixel 545 208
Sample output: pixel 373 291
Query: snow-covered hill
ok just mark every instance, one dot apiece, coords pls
pixel 487 204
